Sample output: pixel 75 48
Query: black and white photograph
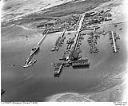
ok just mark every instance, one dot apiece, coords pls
pixel 63 51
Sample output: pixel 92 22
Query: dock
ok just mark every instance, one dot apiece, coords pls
pixel 41 41
pixel 58 69
pixel 113 42
pixel 33 52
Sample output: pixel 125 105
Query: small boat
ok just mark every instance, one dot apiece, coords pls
pixel 30 64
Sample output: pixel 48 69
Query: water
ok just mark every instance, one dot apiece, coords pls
pixel 38 82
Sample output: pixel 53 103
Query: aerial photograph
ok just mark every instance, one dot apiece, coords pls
pixel 63 51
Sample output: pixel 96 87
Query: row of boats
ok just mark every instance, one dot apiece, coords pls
pixel 72 56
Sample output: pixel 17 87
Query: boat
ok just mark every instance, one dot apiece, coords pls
pixel 30 64
pixel 82 63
